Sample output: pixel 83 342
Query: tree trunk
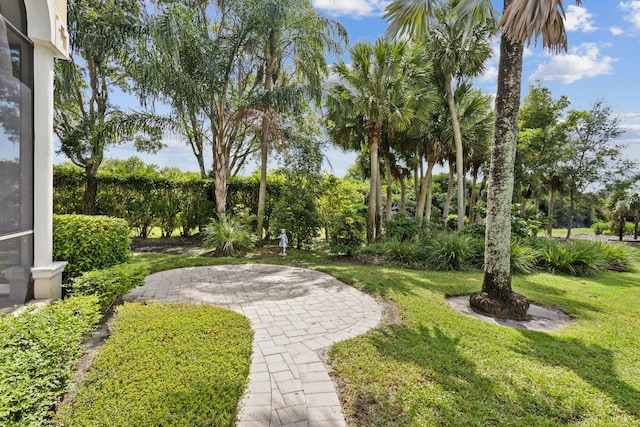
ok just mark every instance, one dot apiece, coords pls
pixel 221 162
pixel 403 196
pixel 457 138
pixel 262 192
pixel 571 208
pixel 378 207
pixel 90 191
pixel 472 202
pixel 374 136
pixel 523 208
pixel 550 212
pixel 387 169
pixel 497 297
pixel 447 202
pixel 427 215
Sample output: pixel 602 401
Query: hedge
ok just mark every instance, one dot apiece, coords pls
pixel 110 283
pixel 90 242
pixel 38 351
pixel 147 201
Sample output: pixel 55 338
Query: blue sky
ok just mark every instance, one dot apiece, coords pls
pixel 602 62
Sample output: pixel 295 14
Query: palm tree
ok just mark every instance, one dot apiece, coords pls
pixel 298 36
pixel 456 58
pixel 373 94
pixel 522 21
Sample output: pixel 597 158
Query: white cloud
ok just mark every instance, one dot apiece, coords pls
pixel 582 61
pixel 616 31
pixel 359 8
pixel 633 9
pixel 579 19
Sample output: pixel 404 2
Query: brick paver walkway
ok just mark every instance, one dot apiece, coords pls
pixel 295 313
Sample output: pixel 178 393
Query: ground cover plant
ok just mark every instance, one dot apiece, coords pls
pixel 38 350
pixel 166 364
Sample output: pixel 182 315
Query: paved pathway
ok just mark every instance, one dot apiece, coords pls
pixel 295 313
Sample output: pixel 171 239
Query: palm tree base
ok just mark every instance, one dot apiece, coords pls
pixel 514 306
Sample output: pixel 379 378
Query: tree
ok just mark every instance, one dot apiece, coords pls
pixel 101 33
pixel 455 58
pixel 522 21
pixel 593 157
pixel 374 94
pixel 299 37
pixel 541 145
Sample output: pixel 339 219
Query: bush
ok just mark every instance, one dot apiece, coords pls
pixel 446 251
pixel 38 351
pixel 378 249
pixel 229 237
pixel 523 257
pixel 166 365
pixel 110 283
pixel 577 258
pixel 90 242
pixel 600 227
pixel 403 252
pixel 617 256
pixel 525 227
pixel 401 228
pixel 348 234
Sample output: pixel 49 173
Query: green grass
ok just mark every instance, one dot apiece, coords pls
pixel 166 365
pixel 441 367
pixel 562 232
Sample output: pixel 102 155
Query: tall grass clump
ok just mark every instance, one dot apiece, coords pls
pixel 577 258
pixel 228 237
pixel 617 256
pixel 401 251
pixel 446 251
pixel 523 257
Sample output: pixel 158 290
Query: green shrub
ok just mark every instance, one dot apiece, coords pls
pixel 617 256
pixel 166 365
pixel 577 258
pixel 446 251
pixel 401 251
pixel 600 227
pixel 110 283
pixel 523 257
pixel 348 234
pixel 378 249
pixel 628 229
pixel 523 228
pixel 475 256
pixel 401 228
pixel 477 231
pixel 229 237
pixel 90 242
pixel 38 351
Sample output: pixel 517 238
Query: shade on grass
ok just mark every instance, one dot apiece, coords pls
pixel 166 365
pixel 441 367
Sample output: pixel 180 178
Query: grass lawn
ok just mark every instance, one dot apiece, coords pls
pixel 438 367
pixel 562 232
pixel 166 365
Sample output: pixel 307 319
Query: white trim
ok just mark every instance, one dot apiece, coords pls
pixel 15 235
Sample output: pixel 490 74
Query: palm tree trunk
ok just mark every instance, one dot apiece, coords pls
pixel 457 137
pixel 403 196
pixel 523 207
pixel 472 202
pixel 378 206
pixel 387 169
pixel 550 212
pixel 447 203
pixel 497 297
pixel 262 191
pixel 374 136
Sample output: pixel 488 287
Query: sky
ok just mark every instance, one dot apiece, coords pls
pixel 602 63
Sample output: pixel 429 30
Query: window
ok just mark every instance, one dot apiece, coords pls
pixel 16 155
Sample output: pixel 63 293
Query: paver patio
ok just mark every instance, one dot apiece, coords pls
pixel 295 313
